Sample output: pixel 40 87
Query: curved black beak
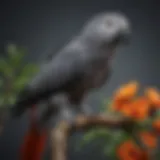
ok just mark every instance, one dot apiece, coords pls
pixel 125 37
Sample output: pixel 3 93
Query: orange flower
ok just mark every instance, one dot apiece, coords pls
pixel 153 96
pixel 149 139
pixel 127 110
pixel 156 125
pixel 130 151
pixel 123 95
pixel 127 91
pixel 138 109
pixel 118 105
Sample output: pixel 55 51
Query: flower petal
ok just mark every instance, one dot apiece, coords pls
pixel 137 109
pixel 153 96
pixel 127 91
pixel 149 139
pixel 156 125
pixel 128 150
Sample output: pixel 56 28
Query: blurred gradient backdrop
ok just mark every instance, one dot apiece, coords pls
pixel 44 27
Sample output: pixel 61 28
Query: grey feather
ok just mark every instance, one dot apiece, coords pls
pixel 83 64
pixel 63 69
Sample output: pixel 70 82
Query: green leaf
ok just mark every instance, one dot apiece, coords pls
pixel 89 136
pixel 157 115
pixel 97 133
pixel 109 150
pixel 1 83
pixel 1 101
pixel 120 136
pixel 26 73
pixel 11 99
pixel 16 60
pixel 5 68
pixel 20 83
pixel 117 138
pixel 102 132
pixel 13 68
pixel 29 70
pixel 157 154
pixel 16 56
pixel 144 124
pixel 11 49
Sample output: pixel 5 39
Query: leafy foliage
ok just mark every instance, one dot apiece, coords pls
pixel 144 111
pixel 14 73
pixel 108 138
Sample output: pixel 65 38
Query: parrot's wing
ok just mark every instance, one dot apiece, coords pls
pixel 58 74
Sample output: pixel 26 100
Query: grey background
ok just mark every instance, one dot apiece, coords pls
pixel 45 26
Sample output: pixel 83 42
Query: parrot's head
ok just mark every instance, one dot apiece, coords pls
pixel 110 28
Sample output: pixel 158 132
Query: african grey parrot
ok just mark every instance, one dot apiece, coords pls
pixel 82 65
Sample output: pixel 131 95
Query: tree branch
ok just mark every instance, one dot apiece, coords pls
pixel 61 133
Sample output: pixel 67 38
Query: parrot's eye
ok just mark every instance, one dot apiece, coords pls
pixel 109 22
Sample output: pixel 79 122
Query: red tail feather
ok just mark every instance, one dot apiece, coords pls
pixel 34 143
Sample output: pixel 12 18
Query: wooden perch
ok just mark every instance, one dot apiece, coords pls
pixel 60 134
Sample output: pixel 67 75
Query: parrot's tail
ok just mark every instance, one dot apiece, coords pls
pixel 33 146
pixel 34 143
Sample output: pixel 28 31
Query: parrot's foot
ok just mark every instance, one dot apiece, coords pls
pixel 68 114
